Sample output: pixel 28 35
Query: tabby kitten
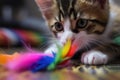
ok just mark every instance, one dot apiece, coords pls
pixel 85 23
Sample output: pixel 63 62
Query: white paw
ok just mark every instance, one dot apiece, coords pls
pixel 94 57
pixel 52 49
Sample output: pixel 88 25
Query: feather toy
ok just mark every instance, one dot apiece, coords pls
pixel 36 61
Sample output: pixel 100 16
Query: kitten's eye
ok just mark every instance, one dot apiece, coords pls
pixel 81 23
pixel 58 26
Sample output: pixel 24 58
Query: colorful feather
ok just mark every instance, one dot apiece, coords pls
pixel 25 60
pixel 4 58
pixel 36 61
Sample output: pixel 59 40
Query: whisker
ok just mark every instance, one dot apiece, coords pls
pixel 48 43
pixel 97 42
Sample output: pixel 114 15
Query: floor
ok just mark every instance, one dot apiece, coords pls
pixel 105 72
pixel 63 74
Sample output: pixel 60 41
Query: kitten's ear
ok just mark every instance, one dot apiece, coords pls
pixel 47 7
pixel 103 3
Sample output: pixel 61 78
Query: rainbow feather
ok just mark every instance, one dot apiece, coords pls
pixel 36 61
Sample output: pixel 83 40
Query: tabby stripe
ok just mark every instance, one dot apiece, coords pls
pixel 72 9
pixel 73 2
pixel 61 14
pixel 99 22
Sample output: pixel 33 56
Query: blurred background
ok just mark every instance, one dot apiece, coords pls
pixel 21 23
pixel 24 11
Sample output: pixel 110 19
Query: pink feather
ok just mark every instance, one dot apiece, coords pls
pixel 24 61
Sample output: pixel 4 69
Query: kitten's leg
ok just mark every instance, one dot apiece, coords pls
pixel 94 57
pixel 101 55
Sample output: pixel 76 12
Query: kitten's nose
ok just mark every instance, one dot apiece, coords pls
pixel 74 31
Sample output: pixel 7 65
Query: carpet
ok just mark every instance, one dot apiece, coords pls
pixel 81 72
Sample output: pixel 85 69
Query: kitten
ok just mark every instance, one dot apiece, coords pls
pixel 85 23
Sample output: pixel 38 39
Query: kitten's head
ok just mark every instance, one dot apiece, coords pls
pixel 82 21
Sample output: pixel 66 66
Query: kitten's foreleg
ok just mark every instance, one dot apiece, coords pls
pixel 101 55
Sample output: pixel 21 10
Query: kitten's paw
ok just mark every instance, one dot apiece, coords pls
pixel 52 49
pixel 94 57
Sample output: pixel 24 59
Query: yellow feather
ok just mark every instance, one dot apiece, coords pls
pixel 66 48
